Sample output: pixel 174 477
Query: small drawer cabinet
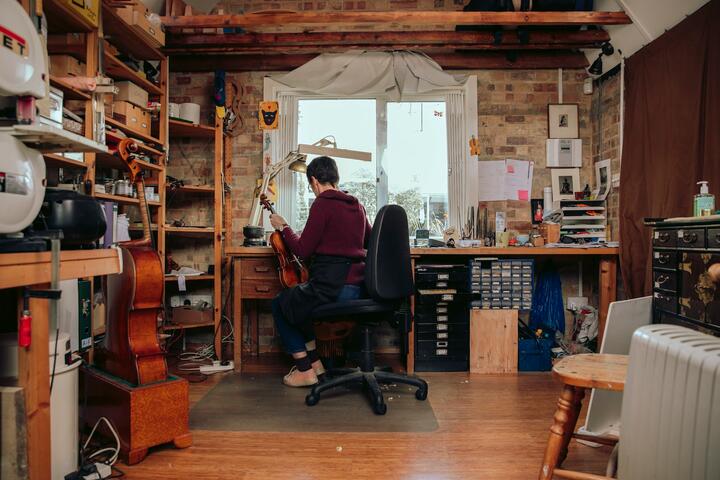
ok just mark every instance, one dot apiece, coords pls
pixel 685 291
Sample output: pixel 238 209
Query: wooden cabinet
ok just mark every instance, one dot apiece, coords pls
pixel 684 291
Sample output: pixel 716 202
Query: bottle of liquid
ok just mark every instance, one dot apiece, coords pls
pixel 704 203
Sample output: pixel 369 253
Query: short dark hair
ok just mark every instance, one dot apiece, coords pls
pixel 324 169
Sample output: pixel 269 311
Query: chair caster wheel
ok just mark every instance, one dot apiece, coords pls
pixel 311 400
pixel 421 393
pixel 380 408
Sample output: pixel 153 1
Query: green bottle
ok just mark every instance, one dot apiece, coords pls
pixel 704 202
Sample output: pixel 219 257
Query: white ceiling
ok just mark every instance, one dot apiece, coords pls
pixel 651 18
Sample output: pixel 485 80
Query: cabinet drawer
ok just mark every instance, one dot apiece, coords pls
pixel 713 238
pixel 665 280
pixel 691 238
pixel 258 268
pixel 665 301
pixel 260 288
pixel 665 238
pixel 662 259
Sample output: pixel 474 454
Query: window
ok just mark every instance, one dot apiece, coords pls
pixel 412 169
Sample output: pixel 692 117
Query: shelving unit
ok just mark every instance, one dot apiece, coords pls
pixel 583 219
pixel 213 234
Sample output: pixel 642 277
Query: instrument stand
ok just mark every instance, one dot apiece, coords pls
pixel 144 416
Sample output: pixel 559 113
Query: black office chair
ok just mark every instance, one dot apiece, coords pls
pixel 388 279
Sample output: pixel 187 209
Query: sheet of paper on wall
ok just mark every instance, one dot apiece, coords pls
pixel 491 184
pixel 518 179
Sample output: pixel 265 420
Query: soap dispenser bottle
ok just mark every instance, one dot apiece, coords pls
pixel 704 203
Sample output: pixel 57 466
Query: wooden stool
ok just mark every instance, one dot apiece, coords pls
pixel 578 372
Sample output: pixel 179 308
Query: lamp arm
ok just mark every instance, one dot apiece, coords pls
pixel 271 172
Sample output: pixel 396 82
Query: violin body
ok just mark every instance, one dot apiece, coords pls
pixel 290 269
pixel 133 299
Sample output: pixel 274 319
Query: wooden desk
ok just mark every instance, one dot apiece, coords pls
pixel 33 269
pixel 255 277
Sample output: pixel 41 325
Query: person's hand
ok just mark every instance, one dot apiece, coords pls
pixel 277 221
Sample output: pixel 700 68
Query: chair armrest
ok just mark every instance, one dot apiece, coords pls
pixel 571 475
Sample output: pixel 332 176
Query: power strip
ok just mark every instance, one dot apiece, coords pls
pixel 216 367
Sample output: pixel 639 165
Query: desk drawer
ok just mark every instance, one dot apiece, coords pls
pixel 665 259
pixel 665 238
pixel 665 280
pixel 691 238
pixel 258 268
pixel 713 237
pixel 260 288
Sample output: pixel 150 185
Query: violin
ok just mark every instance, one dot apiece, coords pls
pixel 133 298
pixel 291 270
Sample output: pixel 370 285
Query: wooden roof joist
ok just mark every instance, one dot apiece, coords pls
pixel 449 61
pixel 308 20
pixel 340 41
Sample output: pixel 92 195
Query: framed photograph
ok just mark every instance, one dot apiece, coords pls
pixel 563 120
pixel 537 210
pixel 602 179
pixel 565 182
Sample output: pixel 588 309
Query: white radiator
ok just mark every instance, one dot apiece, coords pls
pixel 670 421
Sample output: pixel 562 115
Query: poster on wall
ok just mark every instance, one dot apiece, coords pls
pixel 268 115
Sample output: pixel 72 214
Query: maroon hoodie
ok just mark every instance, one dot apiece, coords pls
pixel 337 225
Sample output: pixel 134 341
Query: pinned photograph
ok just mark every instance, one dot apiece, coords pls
pixel 565 182
pixel 602 179
pixel 537 210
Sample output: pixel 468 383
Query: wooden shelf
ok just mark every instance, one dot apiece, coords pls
pixel 118 70
pixel 190 231
pixel 176 326
pixel 20 269
pixel 126 38
pixel 180 129
pixel 190 278
pixel 57 161
pixel 70 93
pixel 131 132
pixel 62 18
pixel 112 161
pixel 192 189
pixel 123 200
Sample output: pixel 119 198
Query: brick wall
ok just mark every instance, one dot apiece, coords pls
pixel 605 114
pixel 512 123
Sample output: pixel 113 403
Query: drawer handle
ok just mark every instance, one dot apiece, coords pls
pixel 689 238
pixel 662 279
pixel 663 237
pixel 441 344
pixel 262 288
pixel 662 297
pixel 717 238
pixel 664 258
pixel 262 269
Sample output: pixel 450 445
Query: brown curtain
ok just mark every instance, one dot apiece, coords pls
pixel 671 135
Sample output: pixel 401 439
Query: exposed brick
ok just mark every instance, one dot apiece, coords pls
pixel 515 118
pixel 517 141
pixel 182 80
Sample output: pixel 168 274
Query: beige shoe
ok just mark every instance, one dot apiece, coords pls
pixel 318 368
pixel 296 378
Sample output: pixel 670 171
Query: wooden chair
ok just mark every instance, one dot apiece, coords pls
pixel 577 373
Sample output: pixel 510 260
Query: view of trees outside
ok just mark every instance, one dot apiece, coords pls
pixel 415 159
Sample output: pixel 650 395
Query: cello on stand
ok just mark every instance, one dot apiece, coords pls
pixel 129 382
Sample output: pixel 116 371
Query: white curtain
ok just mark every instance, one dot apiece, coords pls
pixel 383 75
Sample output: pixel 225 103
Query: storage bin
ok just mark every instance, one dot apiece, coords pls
pixel 534 355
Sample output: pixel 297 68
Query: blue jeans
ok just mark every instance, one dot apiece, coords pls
pixel 295 337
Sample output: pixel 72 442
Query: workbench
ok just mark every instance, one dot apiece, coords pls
pixel 33 270
pixel 255 277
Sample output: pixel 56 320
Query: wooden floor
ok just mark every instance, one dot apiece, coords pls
pixel 490 427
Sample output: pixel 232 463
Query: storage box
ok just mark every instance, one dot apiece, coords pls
pixel 65 65
pixel 88 9
pixel 550 232
pixel 51 107
pixel 534 355
pixel 132 116
pixel 139 18
pixel 191 316
pixel 129 92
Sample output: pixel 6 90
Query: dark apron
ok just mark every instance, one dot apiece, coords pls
pixel 327 278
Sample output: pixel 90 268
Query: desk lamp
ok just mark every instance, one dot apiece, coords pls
pixel 296 161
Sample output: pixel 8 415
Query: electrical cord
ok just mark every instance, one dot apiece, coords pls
pixel 52 375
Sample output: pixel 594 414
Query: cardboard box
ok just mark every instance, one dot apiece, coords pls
pixel 65 65
pixel 51 107
pixel 129 92
pixel 132 116
pixel 139 18
pixel 88 9
pixel 191 316
pixel 550 232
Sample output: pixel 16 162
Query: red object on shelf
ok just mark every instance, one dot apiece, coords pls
pixel 24 329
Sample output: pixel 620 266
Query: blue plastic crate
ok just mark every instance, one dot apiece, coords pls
pixel 535 355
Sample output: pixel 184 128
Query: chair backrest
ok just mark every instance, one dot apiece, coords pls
pixel 670 420
pixel 388 273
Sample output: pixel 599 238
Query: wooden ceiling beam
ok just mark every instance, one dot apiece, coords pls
pixel 451 61
pixel 337 41
pixel 405 18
